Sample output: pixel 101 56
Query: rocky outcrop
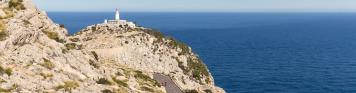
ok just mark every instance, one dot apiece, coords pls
pixel 38 55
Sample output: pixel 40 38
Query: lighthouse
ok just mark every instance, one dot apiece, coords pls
pixel 117 15
pixel 118 21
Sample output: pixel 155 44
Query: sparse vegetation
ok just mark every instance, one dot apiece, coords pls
pixel 119 74
pixel 71 46
pixel 92 63
pixel 208 91
pixel 104 81
pixel 74 39
pixel 68 86
pixel 62 26
pixel 154 33
pixel 26 22
pixel 181 66
pixel 2 81
pixel 13 87
pixel 191 91
pixel 93 28
pixel 47 64
pixel 144 88
pixel 9 13
pixel 195 66
pixel 198 68
pixel 106 91
pixel 7 71
pixel 46 75
pixel 183 81
pixel 140 75
pixel 54 36
pixel 3 33
pixel 143 79
pixel 17 4
pixel 172 42
pixel 176 44
pixel 119 82
pixel 64 51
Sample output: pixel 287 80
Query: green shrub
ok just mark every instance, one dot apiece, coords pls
pixel 156 34
pixel 173 43
pixel 198 68
pixel 26 22
pixel 93 28
pixel 119 82
pixel 62 26
pixel 68 86
pixel 153 32
pixel 47 64
pixel 2 81
pixel 106 91
pixel 140 75
pixel 7 71
pixel 17 4
pixel 3 35
pixel 104 81
pixel 208 91
pixel 13 87
pixel 181 66
pixel 144 79
pixel 9 13
pixel 144 88
pixel 64 51
pixel 74 39
pixel 71 46
pixel 191 91
pixel 46 75
pixel 177 44
pixel 54 36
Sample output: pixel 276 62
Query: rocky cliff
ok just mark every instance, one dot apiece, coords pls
pixel 38 55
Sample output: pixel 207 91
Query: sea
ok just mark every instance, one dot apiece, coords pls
pixel 256 52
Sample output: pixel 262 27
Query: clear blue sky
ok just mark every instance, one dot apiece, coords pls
pixel 200 5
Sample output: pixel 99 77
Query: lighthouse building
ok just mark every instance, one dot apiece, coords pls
pixel 118 21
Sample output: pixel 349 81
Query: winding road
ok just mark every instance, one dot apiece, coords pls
pixel 167 82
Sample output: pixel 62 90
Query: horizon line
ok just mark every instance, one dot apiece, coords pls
pixel 210 11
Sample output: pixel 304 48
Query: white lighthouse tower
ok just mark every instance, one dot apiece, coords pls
pixel 118 21
pixel 117 14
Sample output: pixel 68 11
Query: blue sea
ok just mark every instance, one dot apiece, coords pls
pixel 257 52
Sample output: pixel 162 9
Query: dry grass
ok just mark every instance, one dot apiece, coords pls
pixel 3 33
pixel 104 81
pixel 46 75
pixel 7 71
pixel 17 4
pixel 13 87
pixel 71 46
pixel 119 82
pixel 68 86
pixel 53 35
pixel 47 64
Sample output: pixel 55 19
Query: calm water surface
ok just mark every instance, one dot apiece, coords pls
pixel 258 52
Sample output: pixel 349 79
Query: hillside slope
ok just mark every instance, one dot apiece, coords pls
pixel 38 55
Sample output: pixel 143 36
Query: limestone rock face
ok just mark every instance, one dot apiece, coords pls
pixel 38 55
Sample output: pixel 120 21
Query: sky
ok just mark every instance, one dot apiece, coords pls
pixel 198 5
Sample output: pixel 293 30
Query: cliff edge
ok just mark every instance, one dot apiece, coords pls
pixel 38 55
